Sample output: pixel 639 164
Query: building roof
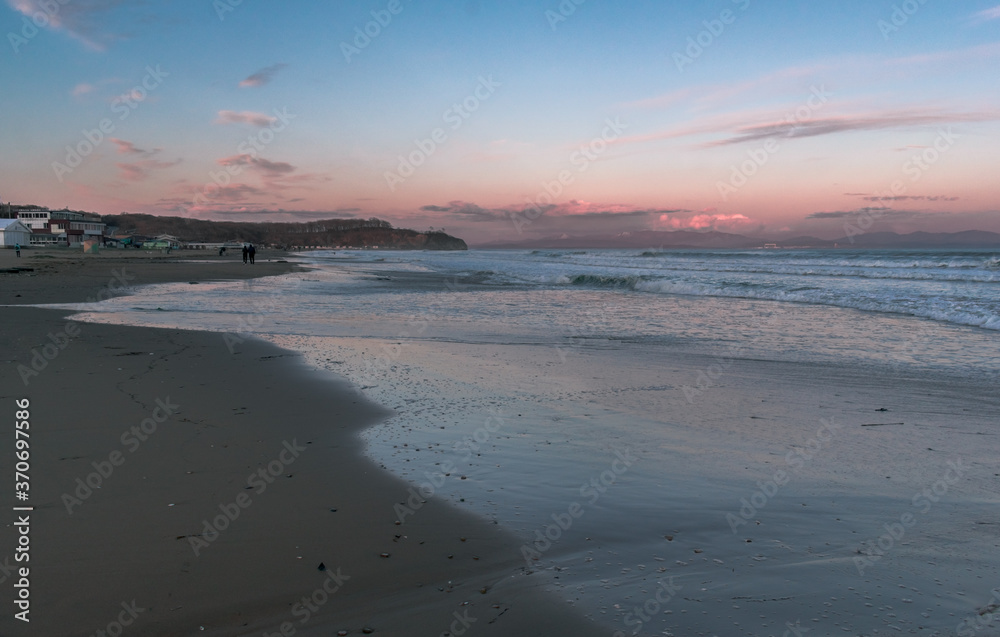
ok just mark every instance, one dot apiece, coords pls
pixel 4 223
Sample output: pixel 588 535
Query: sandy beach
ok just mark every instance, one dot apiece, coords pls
pixel 181 489
pixel 493 476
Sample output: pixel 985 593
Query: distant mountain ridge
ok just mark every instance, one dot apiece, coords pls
pixel 353 233
pixel 655 239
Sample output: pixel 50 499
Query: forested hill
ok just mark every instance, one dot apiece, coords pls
pixel 355 233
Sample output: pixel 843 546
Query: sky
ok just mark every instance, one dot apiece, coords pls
pixel 500 120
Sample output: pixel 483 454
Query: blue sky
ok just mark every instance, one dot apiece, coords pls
pixel 906 130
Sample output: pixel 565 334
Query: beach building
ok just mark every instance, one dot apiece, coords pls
pixel 60 227
pixel 14 232
pixel 170 240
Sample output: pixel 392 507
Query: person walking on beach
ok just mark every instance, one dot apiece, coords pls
pixel 253 251
pixel 17 249
pixel 246 253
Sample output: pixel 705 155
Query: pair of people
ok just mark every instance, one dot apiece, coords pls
pixel 248 253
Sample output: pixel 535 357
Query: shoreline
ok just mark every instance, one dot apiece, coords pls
pixel 756 487
pixel 311 523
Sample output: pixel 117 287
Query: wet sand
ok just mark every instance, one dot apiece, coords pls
pixel 185 487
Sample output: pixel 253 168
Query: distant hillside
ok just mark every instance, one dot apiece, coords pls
pixel 640 239
pixel 354 233
pixel 650 239
pixel 967 239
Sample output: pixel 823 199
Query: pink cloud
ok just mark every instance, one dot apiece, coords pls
pixel 140 170
pixel 270 169
pixel 245 117
pixel 262 77
pixel 81 19
pixel 707 222
pixel 234 192
pixel 128 148
pixel 82 89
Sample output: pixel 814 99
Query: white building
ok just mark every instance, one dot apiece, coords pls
pixel 14 232
pixel 60 227
pixel 35 218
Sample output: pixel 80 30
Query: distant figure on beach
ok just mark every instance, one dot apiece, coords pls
pixel 246 253
pixel 222 250
pixel 253 251
pixel 17 249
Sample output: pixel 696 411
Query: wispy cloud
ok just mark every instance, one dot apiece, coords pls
pixel 269 168
pixel 86 88
pixel 262 77
pixel 882 212
pixel 974 53
pixel 730 128
pixel 830 125
pixel 987 15
pixel 911 198
pixel 260 120
pixel 140 170
pixel 128 148
pixel 82 89
pixel 281 214
pixel 235 192
pixel 708 95
pixel 85 20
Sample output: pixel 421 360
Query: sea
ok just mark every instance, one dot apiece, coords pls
pixel 652 392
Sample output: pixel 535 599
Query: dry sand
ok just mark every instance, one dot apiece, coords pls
pixel 178 425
